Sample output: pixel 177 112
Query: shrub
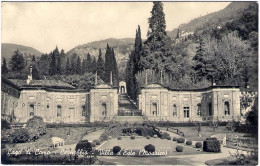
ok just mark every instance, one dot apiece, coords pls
pixel 181 140
pixel 116 149
pixel 37 125
pixel 211 138
pixel 97 141
pixel 119 138
pixel 132 137
pixel 85 146
pixel 93 144
pixel 165 135
pixel 155 136
pixel 149 148
pixel 5 124
pixel 198 144
pixel 211 146
pixel 169 137
pixel 20 136
pixel 174 139
pixel 188 142
pixel 109 137
pixel 179 148
pixel 104 137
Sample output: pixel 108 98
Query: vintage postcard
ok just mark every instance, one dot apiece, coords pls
pixel 129 83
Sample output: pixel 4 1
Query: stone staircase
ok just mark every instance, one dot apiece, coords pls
pixel 129 119
pixel 127 111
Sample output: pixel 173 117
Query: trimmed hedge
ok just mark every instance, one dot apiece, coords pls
pixel 149 148
pixel 169 137
pixel 148 137
pixel 93 144
pixel 116 149
pixel 109 137
pixel 119 138
pixel 104 137
pixel 165 135
pixel 132 137
pixel 179 148
pixel 85 146
pixel 181 140
pixel 211 146
pixel 155 136
pixel 97 141
pixel 174 139
pixel 188 142
pixel 198 144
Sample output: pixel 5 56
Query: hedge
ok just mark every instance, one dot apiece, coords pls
pixel 181 140
pixel 149 148
pixel 179 148
pixel 198 144
pixel 174 139
pixel 188 142
pixel 116 149
pixel 211 146
pixel 119 138
pixel 97 141
pixel 132 137
pixel 85 146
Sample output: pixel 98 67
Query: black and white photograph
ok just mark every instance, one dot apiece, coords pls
pixel 129 83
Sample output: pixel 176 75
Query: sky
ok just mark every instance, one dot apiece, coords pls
pixel 45 25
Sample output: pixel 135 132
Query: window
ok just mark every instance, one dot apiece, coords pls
pixel 104 109
pixel 58 111
pixel 31 109
pixel 199 109
pixel 83 110
pixel 186 111
pixel 226 108
pixel 174 110
pixel 210 110
pixel 154 109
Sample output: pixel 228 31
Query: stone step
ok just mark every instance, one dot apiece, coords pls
pixel 129 119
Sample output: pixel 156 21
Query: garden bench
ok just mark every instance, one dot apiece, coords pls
pixel 56 141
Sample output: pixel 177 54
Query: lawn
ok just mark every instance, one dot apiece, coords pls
pixel 161 145
pixel 71 135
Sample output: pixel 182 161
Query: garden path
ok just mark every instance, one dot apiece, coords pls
pixel 194 159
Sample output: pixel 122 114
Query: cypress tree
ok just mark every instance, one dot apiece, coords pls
pixel 88 63
pixel 59 69
pixel 84 66
pixel 17 62
pixel 100 65
pixel 53 68
pixel 157 48
pixel 94 65
pixel 78 66
pixel 4 68
pixel 108 67
pixel 68 66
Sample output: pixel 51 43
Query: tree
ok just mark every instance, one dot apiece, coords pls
pixel 78 66
pixel 133 66
pixel 68 66
pixel 53 68
pixel 94 65
pixel 84 66
pixel 100 65
pixel 73 62
pixel 33 59
pixel 88 64
pixel 17 62
pixel 59 68
pixel 157 47
pixel 108 64
pixel 4 67
pixel 202 66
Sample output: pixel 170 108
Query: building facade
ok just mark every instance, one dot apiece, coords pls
pixel 214 103
pixel 56 102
